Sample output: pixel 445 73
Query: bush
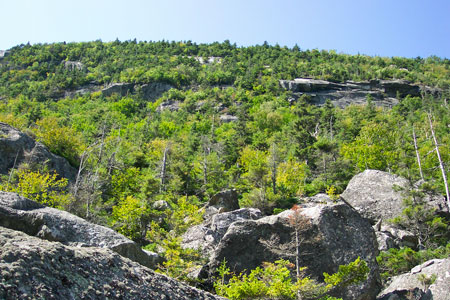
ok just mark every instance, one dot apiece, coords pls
pixel 42 187
pixel 398 261
pixel 274 281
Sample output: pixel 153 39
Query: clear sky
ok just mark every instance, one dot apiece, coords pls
pixel 408 28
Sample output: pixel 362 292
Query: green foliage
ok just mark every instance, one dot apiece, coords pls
pixel 398 261
pixel 130 217
pixel 176 146
pixel 351 273
pixel 179 262
pixel 274 281
pixel 61 140
pixel 431 229
pixel 43 187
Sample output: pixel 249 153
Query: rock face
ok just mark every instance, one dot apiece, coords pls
pixel 47 223
pixel 32 268
pixel 374 195
pixel 337 236
pixel 383 92
pixel 439 289
pixel 14 143
pixel 150 91
pixel 120 88
pixel 207 235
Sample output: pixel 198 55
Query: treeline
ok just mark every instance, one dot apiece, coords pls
pixel 40 71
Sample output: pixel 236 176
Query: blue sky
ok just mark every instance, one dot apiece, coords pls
pixel 408 28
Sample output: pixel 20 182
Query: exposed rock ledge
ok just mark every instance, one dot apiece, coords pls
pixel 32 268
pixel 383 92
pixel 51 224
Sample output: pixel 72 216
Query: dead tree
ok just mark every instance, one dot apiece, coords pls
pixel 417 153
pixel 441 164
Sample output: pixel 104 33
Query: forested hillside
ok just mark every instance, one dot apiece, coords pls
pixel 179 122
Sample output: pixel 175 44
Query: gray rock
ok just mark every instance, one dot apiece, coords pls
pixel 376 195
pixel 51 224
pixel 414 294
pixel 224 201
pixel 4 53
pixel 402 87
pixel 169 105
pixel 337 236
pixel 383 92
pixel 392 237
pixel 308 85
pixel 85 89
pixel 208 60
pixel 152 91
pixel 120 88
pixel 228 118
pixel 439 289
pixel 161 205
pixel 73 65
pixel 206 236
pixel 32 268
pixel 14 143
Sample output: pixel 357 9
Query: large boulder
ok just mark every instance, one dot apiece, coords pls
pixel 379 195
pixel 32 268
pixel 16 147
pixel 223 201
pixel 51 224
pixel 337 235
pixel 206 236
pixel 414 279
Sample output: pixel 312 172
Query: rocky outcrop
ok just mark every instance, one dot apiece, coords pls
pixel 378 195
pixel 383 92
pixel 206 236
pixel 228 118
pixel 223 201
pixel 47 223
pixel 32 268
pixel 120 88
pixel 392 237
pixel 150 91
pixel 437 267
pixel 73 65
pixel 4 53
pixel 337 236
pixel 16 148
pixel 169 105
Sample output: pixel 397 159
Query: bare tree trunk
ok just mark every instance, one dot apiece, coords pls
pixel 441 164
pixel 162 174
pixel 417 154
pixel 11 171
